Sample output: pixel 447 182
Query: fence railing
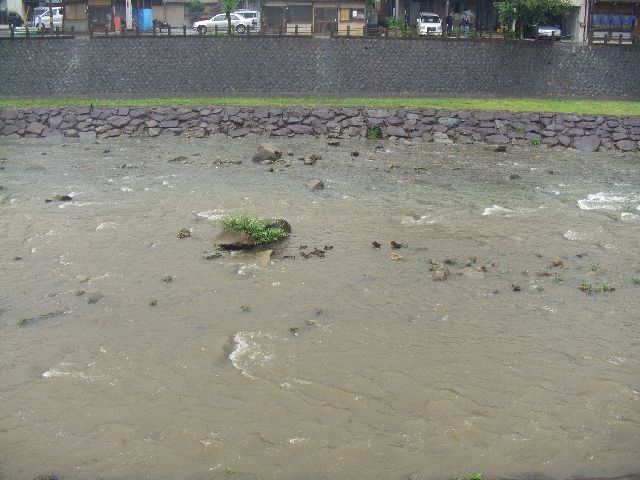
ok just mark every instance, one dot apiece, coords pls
pixel 349 31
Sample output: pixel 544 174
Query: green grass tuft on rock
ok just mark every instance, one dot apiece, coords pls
pixel 260 229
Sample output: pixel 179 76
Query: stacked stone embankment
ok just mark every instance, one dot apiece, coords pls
pixel 584 132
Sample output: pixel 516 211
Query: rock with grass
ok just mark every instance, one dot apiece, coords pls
pixel 245 231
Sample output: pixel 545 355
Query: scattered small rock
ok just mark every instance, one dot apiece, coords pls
pixel 333 143
pixel 63 198
pixel 17 258
pixel 395 256
pixel 375 244
pixel 314 253
pixel 167 279
pixel 153 302
pixel 213 254
pixel 106 150
pixel 514 176
pixel 46 476
pixel 395 244
pixel 557 262
pixel 515 287
pixel 184 233
pixel 295 331
pixel 355 153
pixel 441 273
pixel 471 261
pixel 500 149
pixel 328 247
pixel 179 158
pixel 94 298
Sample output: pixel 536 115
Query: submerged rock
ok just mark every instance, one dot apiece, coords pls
pixel 315 185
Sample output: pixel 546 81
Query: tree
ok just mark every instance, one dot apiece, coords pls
pixel 229 6
pixel 195 6
pixel 531 12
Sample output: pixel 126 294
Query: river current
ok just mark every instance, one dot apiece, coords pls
pixel 126 354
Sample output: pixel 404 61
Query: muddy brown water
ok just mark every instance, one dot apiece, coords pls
pixel 355 365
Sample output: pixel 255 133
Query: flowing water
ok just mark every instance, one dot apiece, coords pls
pixel 126 354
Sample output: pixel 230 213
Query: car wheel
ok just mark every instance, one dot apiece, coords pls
pixel 241 29
pixel 202 30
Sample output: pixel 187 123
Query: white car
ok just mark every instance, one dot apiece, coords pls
pixel 549 31
pixel 429 24
pixel 238 22
pixel 41 17
pixel 253 16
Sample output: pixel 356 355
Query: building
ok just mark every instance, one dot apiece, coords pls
pixel 614 18
pixel 314 17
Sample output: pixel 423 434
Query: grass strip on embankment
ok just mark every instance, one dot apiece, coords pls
pixel 588 107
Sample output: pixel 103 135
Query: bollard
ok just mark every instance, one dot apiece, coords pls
pixel 26 32
pixel 620 39
pixel 154 29
pixel 11 30
pixel 364 31
pixel 57 31
pixel 42 32
pixel 215 29
pixel 348 30
pixel 169 30
pixel 296 30
pixel 106 30
pixel 184 30
pixel 122 30
pixel 280 30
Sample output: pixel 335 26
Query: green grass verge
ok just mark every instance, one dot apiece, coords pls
pixel 590 107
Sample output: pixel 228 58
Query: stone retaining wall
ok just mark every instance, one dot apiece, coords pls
pixel 324 67
pixel 584 132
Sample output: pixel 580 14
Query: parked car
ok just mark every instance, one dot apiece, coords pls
pixel 41 17
pixel 10 18
pixel 548 31
pixel 429 23
pixel 239 23
pixel 253 16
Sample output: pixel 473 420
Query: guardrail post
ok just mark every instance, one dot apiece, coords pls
pixel 296 29
pixel 106 30
pixel 153 29
pixel 348 30
pixel 280 30
pixel 11 30
pixel 215 29
pixel 620 39
pixel 184 30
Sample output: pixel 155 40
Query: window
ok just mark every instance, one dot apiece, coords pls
pixel 299 14
pixel 351 14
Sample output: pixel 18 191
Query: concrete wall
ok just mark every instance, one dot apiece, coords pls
pixel 208 66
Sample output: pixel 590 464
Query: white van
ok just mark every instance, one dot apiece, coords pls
pixel 41 17
pixel 429 23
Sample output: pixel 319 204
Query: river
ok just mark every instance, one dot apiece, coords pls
pixel 126 354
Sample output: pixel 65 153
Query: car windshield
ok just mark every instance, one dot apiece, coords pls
pixel 429 19
pixel 40 11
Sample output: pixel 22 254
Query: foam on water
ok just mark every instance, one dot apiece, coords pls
pixel 247 351
pixel 495 209
pixel 606 201
pixel 64 370
pixel 215 214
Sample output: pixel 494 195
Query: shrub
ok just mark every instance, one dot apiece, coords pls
pixel 195 6
pixel 374 132
pixel 261 229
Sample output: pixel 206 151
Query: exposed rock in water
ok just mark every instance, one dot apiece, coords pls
pixel 266 151
pixel 500 149
pixel 46 476
pixel 315 185
pixel 212 255
pixel 441 273
pixel 184 233
pixel 63 198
